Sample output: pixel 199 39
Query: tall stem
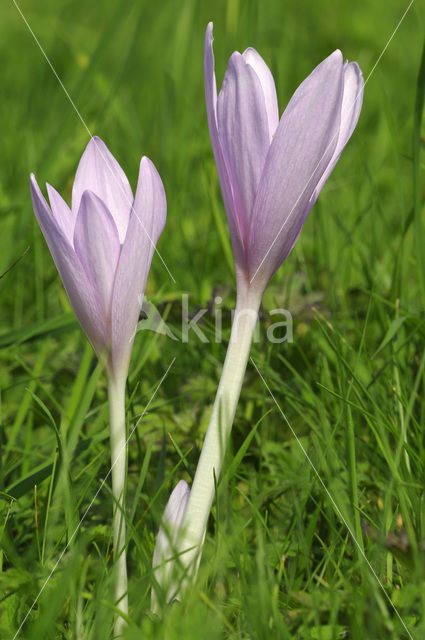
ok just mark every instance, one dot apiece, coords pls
pixel 219 428
pixel 116 396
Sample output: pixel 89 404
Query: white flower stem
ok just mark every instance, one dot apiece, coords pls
pixel 116 396
pixel 219 428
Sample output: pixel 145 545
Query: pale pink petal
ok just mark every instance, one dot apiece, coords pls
pixel 170 523
pixel 97 245
pixel 63 215
pixel 237 231
pixel 244 132
pixel 99 172
pixel 301 150
pixel 145 226
pixel 165 558
pixel 78 287
pixel 253 58
pixel 350 111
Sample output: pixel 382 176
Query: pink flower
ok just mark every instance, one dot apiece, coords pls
pixel 103 246
pixel 271 171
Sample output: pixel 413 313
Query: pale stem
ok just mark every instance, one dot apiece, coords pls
pixel 219 428
pixel 116 396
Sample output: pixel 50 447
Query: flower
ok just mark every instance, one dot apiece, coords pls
pixel 163 562
pixel 103 246
pixel 271 171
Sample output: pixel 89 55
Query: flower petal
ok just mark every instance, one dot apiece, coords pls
pixel 253 58
pixel 235 225
pixel 352 100
pixel 164 554
pixel 301 150
pixel 63 215
pixel 97 245
pixel 78 287
pixel 170 522
pixel 244 132
pixel 99 172
pixel 145 226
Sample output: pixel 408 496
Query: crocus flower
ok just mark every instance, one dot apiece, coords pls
pixel 102 247
pixel 271 172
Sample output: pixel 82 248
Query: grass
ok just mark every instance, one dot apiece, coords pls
pixel 279 561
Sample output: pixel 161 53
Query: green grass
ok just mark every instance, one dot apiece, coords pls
pixel 279 561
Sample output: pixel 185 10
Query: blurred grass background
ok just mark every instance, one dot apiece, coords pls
pixel 278 562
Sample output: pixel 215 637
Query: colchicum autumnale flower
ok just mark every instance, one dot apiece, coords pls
pixel 166 543
pixel 271 172
pixel 103 247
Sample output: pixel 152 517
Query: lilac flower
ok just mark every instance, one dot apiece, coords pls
pixel 103 246
pixel 271 171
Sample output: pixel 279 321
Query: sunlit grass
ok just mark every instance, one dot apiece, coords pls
pixel 279 561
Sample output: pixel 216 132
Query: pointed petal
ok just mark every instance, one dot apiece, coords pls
pixel 165 551
pixel 352 100
pixel 223 170
pixel 210 81
pixel 170 522
pixel 244 132
pixel 97 245
pixel 64 216
pixel 78 287
pixel 299 154
pixel 145 226
pixel 253 58
pixel 100 173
